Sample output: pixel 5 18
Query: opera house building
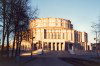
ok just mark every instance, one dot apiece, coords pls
pixel 55 34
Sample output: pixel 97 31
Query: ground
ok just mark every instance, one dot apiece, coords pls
pixel 43 60
pixel 80 62
pixel 47 62
pixel 4 61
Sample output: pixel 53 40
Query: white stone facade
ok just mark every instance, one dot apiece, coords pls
pixel 56 34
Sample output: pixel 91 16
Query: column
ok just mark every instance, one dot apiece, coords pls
pixel 42 46
pixel 60 46
pixel 85 45
pixel 47 45
pixel 57 35
pixel 63 46
pixel 51 46
pixel 72 47
pixel 55 46
pixel 61 35
pixel 68 46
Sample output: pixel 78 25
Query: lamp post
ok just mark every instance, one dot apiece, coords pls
pixel 32 45
pixel 32 42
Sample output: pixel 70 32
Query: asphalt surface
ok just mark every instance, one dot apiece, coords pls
pixel 47 62
pixel 80 62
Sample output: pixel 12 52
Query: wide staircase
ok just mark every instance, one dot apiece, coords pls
pixel 68 54
pixel 55 54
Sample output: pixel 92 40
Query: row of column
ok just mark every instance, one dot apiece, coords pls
pixel 54 46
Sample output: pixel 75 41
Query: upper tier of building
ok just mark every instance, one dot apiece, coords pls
pixel 51 22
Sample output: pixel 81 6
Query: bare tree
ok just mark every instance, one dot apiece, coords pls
pixel 22 15
pixel 3 17
pixel 96 30
pixel 15 16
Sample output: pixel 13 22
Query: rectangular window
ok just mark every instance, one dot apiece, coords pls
pixel 63 36
pixel 48 35
pixel 54 35
pixel 56 24
pixel 45 34
pixel 66 36
pixel 51 35
pixel 66 25
pixel 71 36
pixel 59 36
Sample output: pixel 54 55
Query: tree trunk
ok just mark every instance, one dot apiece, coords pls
pixel 13 49
pixel 7 43
pixel 3 35
pixel 20 42
pixel 17 44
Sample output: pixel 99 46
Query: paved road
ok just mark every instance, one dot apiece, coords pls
pixel 47 62
pixel 80 62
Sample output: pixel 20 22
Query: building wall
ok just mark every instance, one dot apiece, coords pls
pixel 56 33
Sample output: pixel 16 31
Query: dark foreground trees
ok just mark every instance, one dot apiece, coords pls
pixel 15 16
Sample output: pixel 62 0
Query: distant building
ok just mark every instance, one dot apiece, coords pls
pixel 56 34
pixel 95 46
